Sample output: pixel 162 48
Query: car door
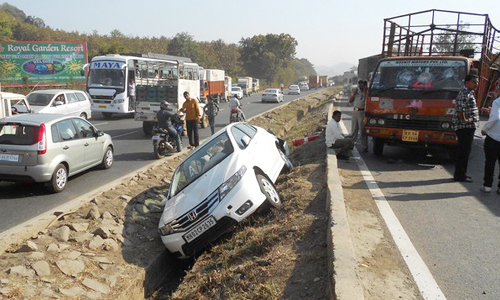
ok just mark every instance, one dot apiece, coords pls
pixel 93 145
pixel 84 104
pixel 59 109
pixel 72 145
pixel 73 105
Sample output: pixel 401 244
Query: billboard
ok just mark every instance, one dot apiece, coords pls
pixel 42 63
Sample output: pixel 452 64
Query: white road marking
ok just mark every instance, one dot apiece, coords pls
pixel 427 285
pixel 101 124
pixel 120 135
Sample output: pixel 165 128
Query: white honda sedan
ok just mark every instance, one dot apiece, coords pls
pixel 219 184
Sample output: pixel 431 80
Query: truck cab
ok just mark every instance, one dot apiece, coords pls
pixel 11 104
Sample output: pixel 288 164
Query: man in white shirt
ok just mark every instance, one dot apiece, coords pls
pixel 491 130
pixel 234 103
pixel 335 139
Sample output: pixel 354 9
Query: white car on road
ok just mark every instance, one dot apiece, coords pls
pixel 221 183
pixel 237 92
pixel 65 102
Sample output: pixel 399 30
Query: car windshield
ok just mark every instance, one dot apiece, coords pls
pixel 18 134
pixel 403 78
pixel 40 99
pixel 271 91
pixel 202 160
pixel 236 89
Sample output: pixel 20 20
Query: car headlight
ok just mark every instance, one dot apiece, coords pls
pixel 373 121
pixel 229 184
pixel 381 122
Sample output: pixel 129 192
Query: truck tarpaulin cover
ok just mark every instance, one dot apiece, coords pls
pixel 42 63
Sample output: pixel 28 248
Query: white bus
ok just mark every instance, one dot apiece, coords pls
pixel 157 78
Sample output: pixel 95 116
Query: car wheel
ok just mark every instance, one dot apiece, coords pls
pixel 107 160
pixel 83 116
pixel 59 179
pixel 268 189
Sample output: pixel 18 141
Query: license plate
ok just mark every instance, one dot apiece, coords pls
pixel 199 229
pixel 102 106
pixel 9 157
pixel 410 136
pixel 155 137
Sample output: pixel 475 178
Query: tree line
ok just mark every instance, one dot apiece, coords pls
pixel 270 57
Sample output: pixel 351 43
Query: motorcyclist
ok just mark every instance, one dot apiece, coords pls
pixel 235 104
pixel 166 115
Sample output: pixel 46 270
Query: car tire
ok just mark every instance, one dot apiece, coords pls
pixel 83 116
pixel 107 159
pixel 269 190
pixel 59 179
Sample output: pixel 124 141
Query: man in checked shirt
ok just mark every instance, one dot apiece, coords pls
pixel 465 122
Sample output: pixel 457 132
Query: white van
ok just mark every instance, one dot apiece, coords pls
pixel 66 102
pixel 11 104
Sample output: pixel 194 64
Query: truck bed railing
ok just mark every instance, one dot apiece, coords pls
pixel 442 32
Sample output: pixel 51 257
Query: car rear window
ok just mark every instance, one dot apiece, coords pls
pixel 18 134
pixel 81 97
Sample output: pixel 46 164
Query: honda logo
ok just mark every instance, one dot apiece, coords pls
pixel 192 216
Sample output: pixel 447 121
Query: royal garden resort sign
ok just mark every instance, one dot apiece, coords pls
pixel 42 63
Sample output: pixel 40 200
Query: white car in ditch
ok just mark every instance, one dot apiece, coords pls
pixel 219 184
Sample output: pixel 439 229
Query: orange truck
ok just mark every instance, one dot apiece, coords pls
pixel 411 95
pixel 212 84
pixel 314 81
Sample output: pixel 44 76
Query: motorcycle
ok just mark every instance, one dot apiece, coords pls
pixel 236 115
pixel 163 143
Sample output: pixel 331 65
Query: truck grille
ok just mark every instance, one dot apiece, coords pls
pixel 223 225
pixel 199 212
pixel 414 124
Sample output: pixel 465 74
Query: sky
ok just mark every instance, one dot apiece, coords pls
pixel 328 32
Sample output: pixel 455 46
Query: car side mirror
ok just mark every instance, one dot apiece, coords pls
pixel 245 140
pixel 99 133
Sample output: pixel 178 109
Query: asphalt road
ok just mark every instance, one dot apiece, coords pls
pixel 20 202
pixel 453 225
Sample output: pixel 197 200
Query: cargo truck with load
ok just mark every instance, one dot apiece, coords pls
pixel 212 85
pixel 410 101
pixel 314 81
pixel 246 85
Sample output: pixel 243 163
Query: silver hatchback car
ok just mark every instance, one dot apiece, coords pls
pixel 49 148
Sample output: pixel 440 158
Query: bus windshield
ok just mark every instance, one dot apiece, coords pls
pixel 419 78
pixel 107 74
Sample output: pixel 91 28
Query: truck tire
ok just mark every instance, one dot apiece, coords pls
pixel 378 146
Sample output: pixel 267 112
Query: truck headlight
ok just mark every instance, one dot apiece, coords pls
pixel 381 122
pixel 229 184
pixel 373 121
pixel 445 125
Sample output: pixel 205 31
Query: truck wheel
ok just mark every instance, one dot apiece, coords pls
pixel 147 127
pixel 378 146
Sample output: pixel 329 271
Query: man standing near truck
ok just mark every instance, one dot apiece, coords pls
pixel 465 121
pixel 358 100
pixel 192 110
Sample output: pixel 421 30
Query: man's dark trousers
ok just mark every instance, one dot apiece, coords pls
pixel 465 137
pixel 192 131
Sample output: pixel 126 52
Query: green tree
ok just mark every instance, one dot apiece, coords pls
pixel 445 41
pixel 263 56
pixel 184 45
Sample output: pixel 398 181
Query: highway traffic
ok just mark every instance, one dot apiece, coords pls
pixel 133 150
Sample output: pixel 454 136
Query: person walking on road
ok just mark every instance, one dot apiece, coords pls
pixel 192 110
pixel 358 100
pixel 465 121
pixel 335 139
pixel 491 130
pixel 211 109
